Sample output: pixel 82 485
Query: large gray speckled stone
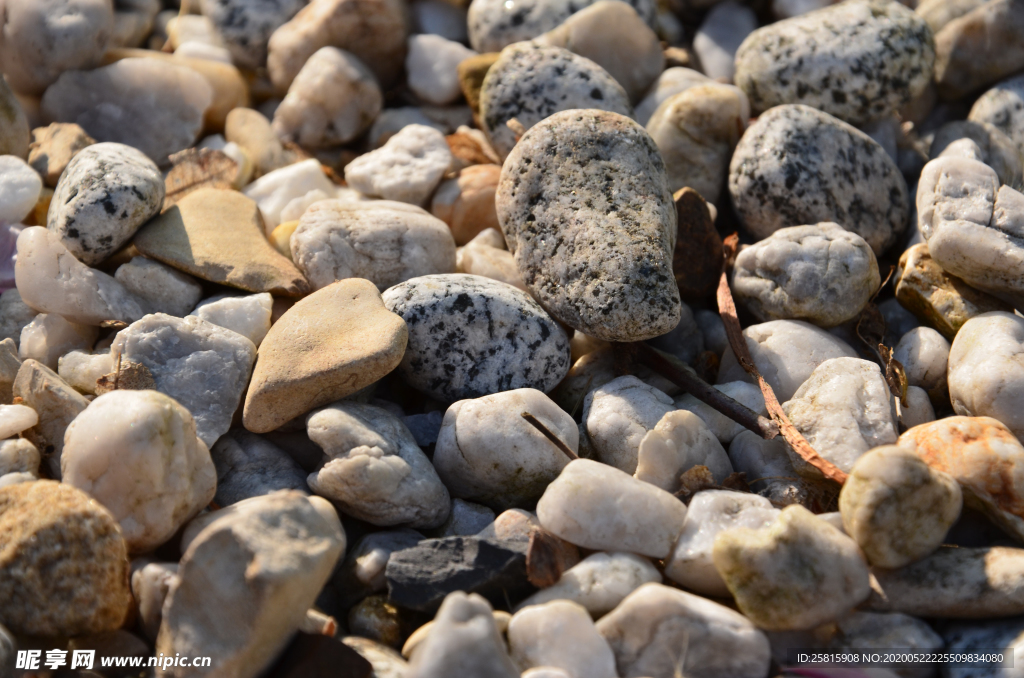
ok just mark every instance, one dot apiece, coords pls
pixel 245 26
pixel 471 336
pixel 529 83
pixel 859 60
pixel 798 165
pixel 106 192
pixel 585 206
pixel 1003 106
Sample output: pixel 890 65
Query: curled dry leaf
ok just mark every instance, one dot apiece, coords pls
pixel 547 557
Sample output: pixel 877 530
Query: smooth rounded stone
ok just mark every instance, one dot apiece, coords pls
pixel 796 165
pixel 670 82
pixel 489 262
pixel 598 507
pixel 529 83
pixel 106 193
pixel 333 99
pixel 407 168
pixel 720 35
pixel 43 38
pixel 1003 107
pixel 245 27
pixel 276 189
pixel 14 129
pixel 494 337
pixel 796 573
pixel 153 105
pixel 995 148
pixel 383 241
pixel 466 202
pixel 785 352
pixel 679 441
pixel 15 314
pixel 267 557
pixel 487 452
pixel 81 369
pixel 599 582
pixel 53 528
pixel 662 632
pixel 431 64
pixel 560 634
pixel 985 376
pixel 22 186
pixel 16 418
pixel 860 61
pixel 924 354
pixel 249 466
pixel 823 274
pixel 51 280
pixel 327 346
pixel 19 456
pixel 710 513
pixel 440 18
pixel 248 315
pixel 572 171
pixel 768 468
pixel 49 336
pixel 373 468
pixel 254 135
pixel 16 478
pixel 165 289
pixel 696 132
pixel 617 417
pixel 463 641
pixel 136 452
pixel 466 519
pixel 896 507
pixel 843 410
pixel 979 48
pixel 202 366
pixel 919 409
pixel 57 404
pixel 721 426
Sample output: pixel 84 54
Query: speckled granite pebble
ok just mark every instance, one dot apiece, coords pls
pixel 245 26
pixel 470 336
pixel 585 207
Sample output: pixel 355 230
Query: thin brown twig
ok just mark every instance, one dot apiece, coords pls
pixel 556 441
pixel 733 330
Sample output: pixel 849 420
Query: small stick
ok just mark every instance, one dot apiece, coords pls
pixel 555 440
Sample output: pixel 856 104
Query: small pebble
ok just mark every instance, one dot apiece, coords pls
pixel 248 315
pixel 617 417
pixel 165 289
pixel 560 634
pixel 49 336
pixel 407 168
pixel 466 202
pixel 1003 107
pixel 22 187
pixel 984 372
pixel 924 354
pixel 57 405
pixel 680 441
pixel 431 63
pixel 719 37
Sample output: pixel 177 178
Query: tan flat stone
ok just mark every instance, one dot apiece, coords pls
pixel 217 235
pixel 327 346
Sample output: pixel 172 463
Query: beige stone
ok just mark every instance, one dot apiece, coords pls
pixel 217 235
pixel 327 346
pixel 53 147
pixel 979 48
pixel 466 202
pixel 252 132
pixel 57 404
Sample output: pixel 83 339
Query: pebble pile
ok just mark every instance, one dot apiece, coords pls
pixel 512 338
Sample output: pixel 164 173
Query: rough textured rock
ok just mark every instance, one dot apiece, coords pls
pixel 679 442
pixel 165 289
pixel 327 346
pixel 290 189
pixel 249 466
pixel 245 27
pixel 57 405
pixel 47 527
pixel 979 48
pixel 432 67
pixel 997 150
pixel 985 376
pixel 1003 107
pixel 53 147
pixel 613 283
pixel 560 634
pixel 617 416
pixel 248 315
pixel 470 336
pixel 407 168
pixel 799 165
pixel 860 61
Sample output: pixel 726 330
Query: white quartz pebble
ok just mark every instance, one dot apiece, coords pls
pixel 16 418
pixel 274 190
pixel 599 582
pixel 20 187
pixel 560 634
pixel 248 315
pixel 720 35
pixel 19 456
pixel 618 415
pixel 924 354
pixel 167 290
pixel 986 377
pixel 676 444
pixel 432 63
pixel 81 369
pixel 767 466
pixel 49 336
pixel 724 428
pixel 407 168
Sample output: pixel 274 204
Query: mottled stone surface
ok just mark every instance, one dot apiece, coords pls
pixel 798 165
pixel 245 26
pixel 249 466
pixel 1003 107
pixel 858 61
pixel 616 417
pixel 54 146
pixel 407 168
pixel 571 172
pixel 470 336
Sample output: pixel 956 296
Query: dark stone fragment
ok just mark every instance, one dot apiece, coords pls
pixel 697 260
pixel 316 656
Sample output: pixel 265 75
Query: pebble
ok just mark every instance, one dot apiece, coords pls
pixel 164 289
pixel 489 262
pixel 277 190
pixel 248 315
pixel 327 346
pixel 721 426
pixel 768 468
pixel 618 415
pixel 991 147
pixel 124 436
pixel 924 354
pixel 556 185
pixel 487 452
pixel 109 105
pixel 271 556
pixel 253 133
pixel 249 466
pixel 823 274
pixel 407 168
pixel 560 634
pixel 107 192
pixel 796 165
pixel 51 280
pixel 14 139
pixel 53 147
pixel 785 352
pixel 679 442
pixel 383 241
pixel 217 235
pixel 599 582
pixel 54 528
pixel 467 519
pixel 858 61
pixel 49 336
pixel 598 507
pixel 19 456
pixel 466 202
pixel 470 336
pixel 672 81
pixel 431 63
pixel 661 631
pixel 796 573
pixel 684 341
pixel 373 468
pixel 440 18
pixel 723 30
pixel 22 187
pixel 10 363
pixel 81 369
pixel 1003 107
pixel 56 403
pixel 979 49
pixel 245 27
pixel 363 571
pixel 202 366
pixel 984 373
pixel 938 13
pixel 333 99
pixel 16 418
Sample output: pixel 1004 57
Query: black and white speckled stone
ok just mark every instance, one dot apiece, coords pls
pixel 1003 107
pixel 859 60
pixel 245 26
pixel 104 195
pixel 529 83
pixel 471 336
pixel 496 24
pixel 586 209
pixel 797 165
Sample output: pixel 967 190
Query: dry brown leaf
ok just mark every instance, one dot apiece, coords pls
pixel 127 376
pixel 695 479
pixel 196 168
pixel 469 150
pixel 547 557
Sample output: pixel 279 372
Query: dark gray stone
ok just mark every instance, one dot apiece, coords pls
pixel 249 466
pixel 425 427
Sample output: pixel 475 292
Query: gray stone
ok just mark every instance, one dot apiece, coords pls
pixel 768 468
pixel 995 149
pixel 685 341
pixel 986 636
pixel 363 571
pixel 246 26
pixel 425 427
pixel 721 33
pixel 1003 107
pixel 467 519
pixel 14 315
pixel 167 290
pixel 249 466
pixel 57 404
pixel 10 363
